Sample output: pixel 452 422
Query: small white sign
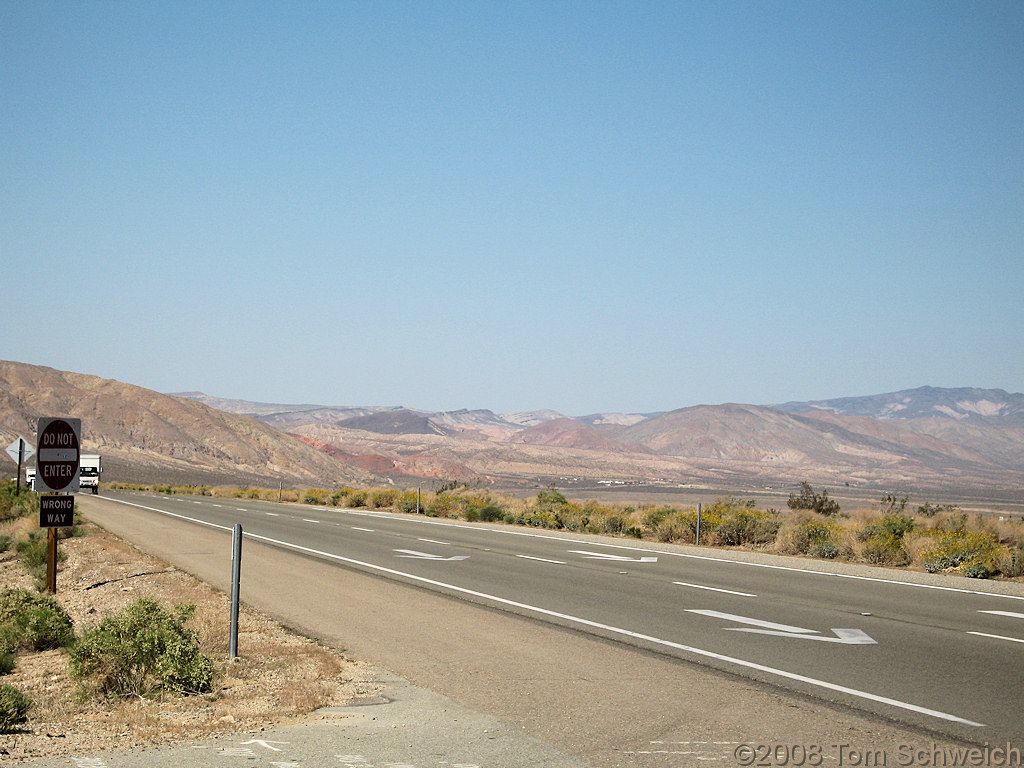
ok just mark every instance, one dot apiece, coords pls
pixel 22 445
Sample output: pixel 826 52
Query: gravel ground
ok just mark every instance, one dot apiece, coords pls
pixel 278 678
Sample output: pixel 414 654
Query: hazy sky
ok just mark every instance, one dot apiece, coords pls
pixel 585 206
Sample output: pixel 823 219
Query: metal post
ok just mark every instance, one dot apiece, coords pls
pixel 21 455
pixel 280 491
pixel 236 578
pixel 417 501
pixel 698 524
pixel 51 561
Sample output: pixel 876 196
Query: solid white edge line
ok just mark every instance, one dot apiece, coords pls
pixel 1011 614
pixel 997 637
pixel 593 624
pixel 714 589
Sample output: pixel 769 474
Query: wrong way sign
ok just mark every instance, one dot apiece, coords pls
pixel 58 443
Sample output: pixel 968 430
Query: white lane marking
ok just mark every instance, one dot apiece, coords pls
pixel 844 636
pixel 368 530
pixel 714 589
pixel 428 556
pixel 542 559
pixel 265 744
pixel 435 541
pixel 272 514
pixel 569 540
pixel 753 622
pixel 218 505
pixel 588 623
pixel 997 637
pixel 307 520
pixel 617 558
pixel 1011 614
pixel 241 509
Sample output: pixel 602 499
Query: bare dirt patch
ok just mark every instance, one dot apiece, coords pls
pixel 279 677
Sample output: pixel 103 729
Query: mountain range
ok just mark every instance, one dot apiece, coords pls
pixel 943 440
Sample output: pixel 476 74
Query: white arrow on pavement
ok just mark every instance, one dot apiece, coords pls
pixel 844 636
pixel 265 744
pixel 428 556
pixel 619 558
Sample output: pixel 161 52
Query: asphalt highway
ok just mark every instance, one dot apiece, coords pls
pixel 944 656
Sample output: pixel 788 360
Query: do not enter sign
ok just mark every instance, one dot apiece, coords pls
pixel 57 443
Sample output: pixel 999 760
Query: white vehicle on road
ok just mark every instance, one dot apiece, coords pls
pixel 89 471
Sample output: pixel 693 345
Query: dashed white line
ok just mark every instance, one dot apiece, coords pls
pixel 713 589
pixel 542 559
pixel 1011 614
pixel 435 541
pixel 997 637
pixel 368 530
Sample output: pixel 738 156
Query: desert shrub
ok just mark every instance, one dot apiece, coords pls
pixel 6 663
pixel 824 550
pixel 491 513
pixel 539 518
pixel 885 549
pixel 741 523
pixel 811 537
pixel 357 498
pixel 977 570
pixel 384 498
pixel 338 497
pixel 681 525
pixel 143 650
pixel 812 501
pixel 883 539
pixel 5 543
pixel 33 551
pixel 32 621
pixel 14 706
pixel 315 496
pixel 892 505
pixel 14 505
pixel 931 510
pixel 970 549
pixel 443 505
pixel 654 517
pixel 1010 561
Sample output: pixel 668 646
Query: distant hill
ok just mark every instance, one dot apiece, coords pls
pixel 982 406
pixel 146 436
pixel 946 440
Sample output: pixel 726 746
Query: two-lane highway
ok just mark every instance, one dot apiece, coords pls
pixel 942 657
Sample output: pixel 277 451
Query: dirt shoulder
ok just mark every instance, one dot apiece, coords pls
pixel 279 677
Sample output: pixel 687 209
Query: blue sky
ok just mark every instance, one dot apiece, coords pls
pixel 579 206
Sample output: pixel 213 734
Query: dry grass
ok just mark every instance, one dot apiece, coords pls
pixel 280 676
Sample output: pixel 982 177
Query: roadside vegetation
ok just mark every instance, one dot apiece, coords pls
pixel 141 651
pixel 891 532
pixel 136 650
